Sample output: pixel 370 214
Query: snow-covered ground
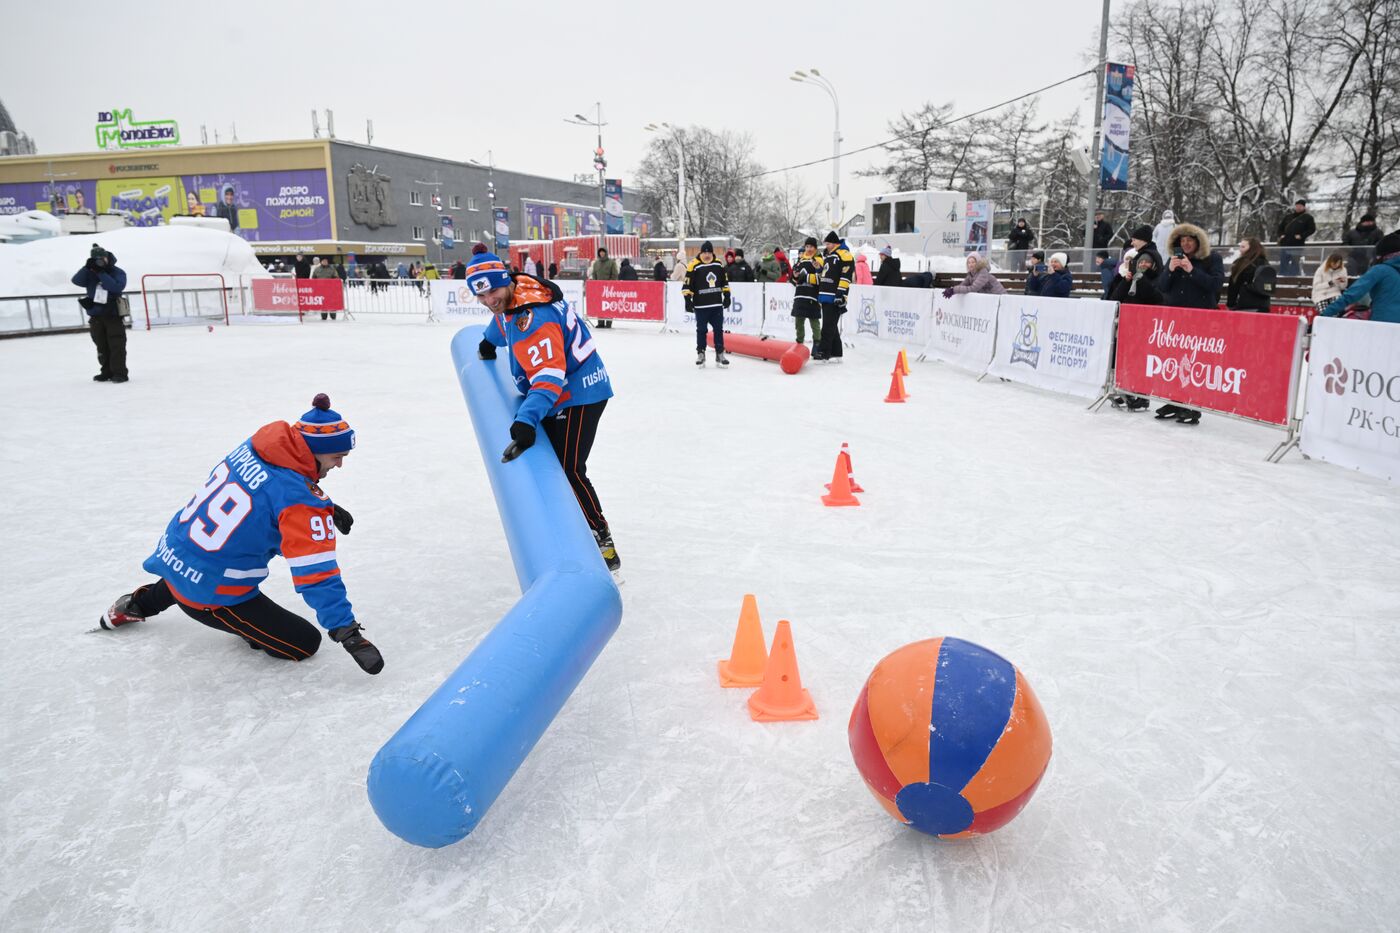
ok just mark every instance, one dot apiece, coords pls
pixel 1213 639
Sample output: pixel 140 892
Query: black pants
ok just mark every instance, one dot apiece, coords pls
pixel 330 314
pixel 830 345
pixel 109 334
pixel 258 621
pixel 712 318
pixel 571 432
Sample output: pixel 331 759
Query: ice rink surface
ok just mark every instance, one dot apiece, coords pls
pixel 1213 638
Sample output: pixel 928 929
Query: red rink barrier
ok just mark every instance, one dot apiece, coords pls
pixel 788 355
pixel 625 301
pixel 1236 362
pixel 301 295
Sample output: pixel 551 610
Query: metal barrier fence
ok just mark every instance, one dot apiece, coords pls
pixel 37 314
pixel 1294 260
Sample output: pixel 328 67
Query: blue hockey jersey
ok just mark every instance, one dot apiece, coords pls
pixel 259 501
pixel 552 356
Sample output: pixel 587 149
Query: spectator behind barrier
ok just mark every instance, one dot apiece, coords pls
pixel 1365 234
pixel 1192 279
pixel 1037 274
pixel 1293 233
pixel 1108 270
pixel 1381 282
pixel 979 280
pixel 1251 285
pixel 1059 283
pixel 888 273
pixel 1330 280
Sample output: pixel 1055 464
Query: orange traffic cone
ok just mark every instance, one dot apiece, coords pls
pixel 903 362
pixel 850 473
pixel 748 657
pixel 897 393
pixel 840 485
pixel 781 697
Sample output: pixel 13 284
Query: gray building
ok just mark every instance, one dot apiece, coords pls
pixel 387 196
pixel 12 141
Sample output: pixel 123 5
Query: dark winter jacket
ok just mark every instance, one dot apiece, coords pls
pixel 1103 233
pixel 806 277
pixel 108 276
pixel 888 273
pixel 627 273
pixel 1295 229
pixel 1020 238
pixel 1035 278
pixel 1251 287
pixel 1382 283
pixel 1058 284
pixel 1359 259
pixel 1199 288
pixel 302 268
pixel 459 270
pixel 658 271
pixel 740 271
pixel 838 272
pixel 1139 288
pixel 706 285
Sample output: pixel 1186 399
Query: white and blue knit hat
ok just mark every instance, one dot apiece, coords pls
pixel 485 272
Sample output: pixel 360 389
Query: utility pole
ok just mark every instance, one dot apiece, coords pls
pixel 599 162
pixel 1096 153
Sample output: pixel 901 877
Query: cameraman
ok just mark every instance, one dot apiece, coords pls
pixel 105 283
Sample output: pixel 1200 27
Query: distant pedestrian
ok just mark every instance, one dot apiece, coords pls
pixel 863 276
pixel 1020 239
pixel 1059 283
pixel 625 272
pixel 1108 270
pixel 1162 232
pixel 553 270
pixel 1103 231
pixel 604 267
pixel 1366 234
pixel 743 272
pixel 1036 272
pixel 104 282
pixel 1293 232
pixel 658 271
pixel 301 266
pixel 325 271
pixel 888 274
pixel 838 271
pixel 706 295
pixel 1192 279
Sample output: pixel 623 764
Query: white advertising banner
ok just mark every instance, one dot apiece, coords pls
pixel 573 294
pixel 743 316
pixel 1352 417
pixel 777 310
pixel 898 315
pixel 963 331
pixel 1061 344
pixel 451 300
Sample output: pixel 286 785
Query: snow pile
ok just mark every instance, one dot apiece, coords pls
pixel 46 267
pixel 29 225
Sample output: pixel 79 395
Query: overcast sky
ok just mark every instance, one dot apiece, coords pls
pixel 459 79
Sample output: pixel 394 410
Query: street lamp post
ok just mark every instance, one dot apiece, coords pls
pixel 490 196
pixel 599 162
pixel 814 77
pixel 675 134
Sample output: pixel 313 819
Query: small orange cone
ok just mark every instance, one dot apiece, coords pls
pixel 897 393
pixel 850 473
pixel 904 361
pixel 781 697
pixel 747 659
pixel 840 485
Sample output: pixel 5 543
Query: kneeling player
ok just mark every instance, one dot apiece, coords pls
pixel 556 367
pixel 260 500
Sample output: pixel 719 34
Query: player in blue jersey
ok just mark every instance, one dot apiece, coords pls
pixel 556 368
pixel 263 499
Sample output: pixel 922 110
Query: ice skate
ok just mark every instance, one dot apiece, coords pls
pixel 607 549
pixel 122 612
pixel 721 358
pixel 700 358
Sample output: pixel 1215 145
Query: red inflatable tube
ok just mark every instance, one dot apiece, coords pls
pixel 790 356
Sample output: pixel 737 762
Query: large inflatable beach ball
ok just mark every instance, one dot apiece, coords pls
pixel 949 737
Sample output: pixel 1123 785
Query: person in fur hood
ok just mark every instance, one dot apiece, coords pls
pixel 1192 279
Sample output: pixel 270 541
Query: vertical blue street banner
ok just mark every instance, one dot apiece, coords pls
pixel 501 219
pixel 612 204
pixel 1117 108
pixel 449 238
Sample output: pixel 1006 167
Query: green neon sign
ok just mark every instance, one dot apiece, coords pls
pixel 116 130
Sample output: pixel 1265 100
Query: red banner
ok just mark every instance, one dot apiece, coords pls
pixel 1237 362
pixel 300 295
pixel 625 301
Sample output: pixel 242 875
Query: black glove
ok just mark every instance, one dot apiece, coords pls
pixel 947 293
pixel 343 519
pixel 486 350
pixel 840 304
pixel 689 306
pixel 726 302
pixel 522 438
pixel 360 648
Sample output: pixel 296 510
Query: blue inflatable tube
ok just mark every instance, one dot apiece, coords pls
pixel 435 779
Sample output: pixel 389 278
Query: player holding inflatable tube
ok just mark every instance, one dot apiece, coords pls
pixel 261 500
pixel 556 367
